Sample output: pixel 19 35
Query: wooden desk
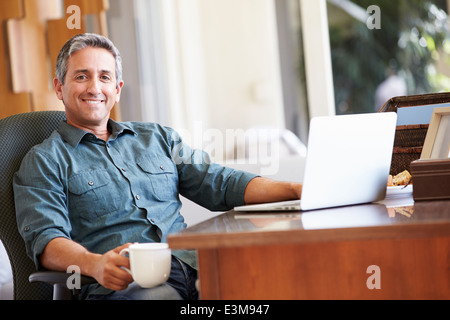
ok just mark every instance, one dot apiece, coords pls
pixel 325 254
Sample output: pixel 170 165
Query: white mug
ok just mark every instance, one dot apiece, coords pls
pixel 149 263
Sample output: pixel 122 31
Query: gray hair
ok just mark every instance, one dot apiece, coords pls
pixel 80 42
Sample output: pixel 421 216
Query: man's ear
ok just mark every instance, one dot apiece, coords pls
pixel 58 88
pixel 118 91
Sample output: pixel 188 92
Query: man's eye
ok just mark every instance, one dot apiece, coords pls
pixel 106 78
pixel 81 77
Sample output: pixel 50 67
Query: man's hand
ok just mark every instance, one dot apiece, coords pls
pixel 108 269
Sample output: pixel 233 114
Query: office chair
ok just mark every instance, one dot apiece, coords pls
pixel 18 133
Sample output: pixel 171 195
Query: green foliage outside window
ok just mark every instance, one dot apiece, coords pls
pixel 413 42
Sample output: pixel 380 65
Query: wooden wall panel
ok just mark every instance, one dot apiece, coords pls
pixel 28 52
pixel 11 102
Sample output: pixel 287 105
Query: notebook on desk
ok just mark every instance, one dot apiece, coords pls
pixel 347 163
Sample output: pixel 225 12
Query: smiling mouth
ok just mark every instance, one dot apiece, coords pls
pixel 93 101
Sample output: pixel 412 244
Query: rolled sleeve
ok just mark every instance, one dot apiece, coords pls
pixel 236 188
pixel 40 203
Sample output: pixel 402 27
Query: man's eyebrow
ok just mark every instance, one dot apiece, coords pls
pixel 88 71
pixel 81 71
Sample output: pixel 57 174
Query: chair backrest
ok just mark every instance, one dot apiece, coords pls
pixel 18 133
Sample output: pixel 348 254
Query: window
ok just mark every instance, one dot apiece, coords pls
pixel 292 67
pixel 408 54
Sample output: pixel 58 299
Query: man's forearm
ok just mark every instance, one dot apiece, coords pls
pixel 61 253
pixel 105 268
pixel 260 190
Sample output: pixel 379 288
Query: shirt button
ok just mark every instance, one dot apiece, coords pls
pixel 91 183
pixel 161 167
pixel 26 229
pixel 124 170
pixel 138 197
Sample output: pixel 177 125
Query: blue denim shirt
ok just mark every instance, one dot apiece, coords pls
pixel 104 194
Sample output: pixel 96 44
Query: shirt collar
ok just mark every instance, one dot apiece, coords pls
pixel 74 135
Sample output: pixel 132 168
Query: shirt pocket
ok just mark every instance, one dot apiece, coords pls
pixel 90 194
pixel 162 174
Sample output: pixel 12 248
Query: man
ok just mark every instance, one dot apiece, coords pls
pixel 96 185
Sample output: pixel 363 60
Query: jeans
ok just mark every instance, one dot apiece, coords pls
pixel 179 286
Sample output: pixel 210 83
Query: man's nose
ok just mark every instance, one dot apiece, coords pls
pixel 94 87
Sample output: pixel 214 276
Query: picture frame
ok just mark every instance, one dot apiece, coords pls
pixel 437 141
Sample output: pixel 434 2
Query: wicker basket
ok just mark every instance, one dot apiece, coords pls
pixel 408 143
pixel 409 139
pixel 410 136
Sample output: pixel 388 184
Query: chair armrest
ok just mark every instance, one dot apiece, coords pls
pixel 59 282
pixel 56 277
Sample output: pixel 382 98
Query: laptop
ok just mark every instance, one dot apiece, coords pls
pixel 348 162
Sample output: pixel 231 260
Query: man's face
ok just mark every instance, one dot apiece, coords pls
pixel 90 89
